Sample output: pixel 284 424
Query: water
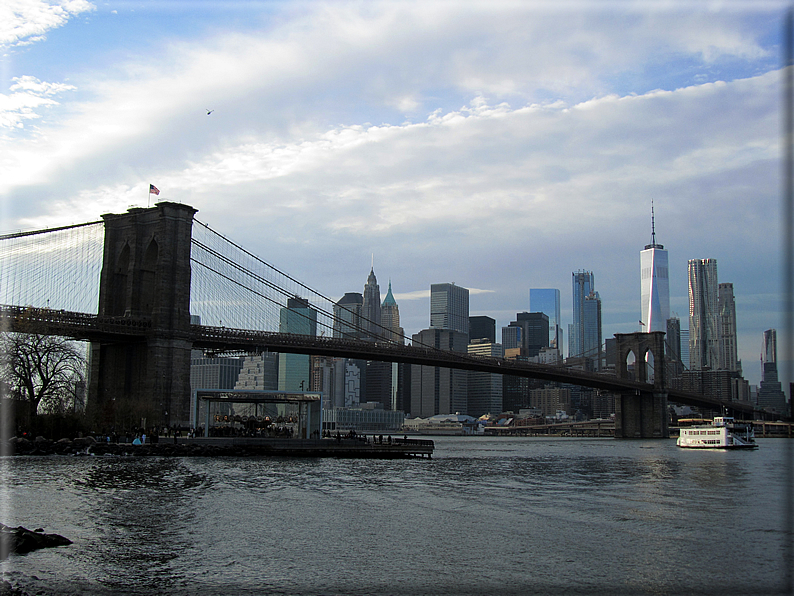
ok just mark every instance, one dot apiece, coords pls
pixel 484 516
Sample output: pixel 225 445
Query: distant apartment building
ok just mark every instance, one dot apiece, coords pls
pixel 550 400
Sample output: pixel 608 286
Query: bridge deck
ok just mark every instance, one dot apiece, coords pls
pixel 221 340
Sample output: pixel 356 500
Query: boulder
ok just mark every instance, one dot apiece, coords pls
pixel 20 540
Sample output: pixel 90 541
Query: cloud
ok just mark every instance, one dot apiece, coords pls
pixel 23 22
pixel 28 95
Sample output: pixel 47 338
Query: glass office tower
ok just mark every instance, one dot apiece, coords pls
pixel 654 284
pixel 547 301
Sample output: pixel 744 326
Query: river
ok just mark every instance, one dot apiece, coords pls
pixel 484 516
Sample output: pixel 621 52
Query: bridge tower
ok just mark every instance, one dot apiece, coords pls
pixel 641 414
pixel 145 276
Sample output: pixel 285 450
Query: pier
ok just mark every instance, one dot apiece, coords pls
pixel 358 447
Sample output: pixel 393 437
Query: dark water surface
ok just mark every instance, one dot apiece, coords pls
pixel 484 516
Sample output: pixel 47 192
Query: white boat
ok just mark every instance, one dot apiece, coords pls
pixel 724 433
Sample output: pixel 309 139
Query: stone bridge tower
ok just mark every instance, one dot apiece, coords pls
pixel 145 276
pixel 642 414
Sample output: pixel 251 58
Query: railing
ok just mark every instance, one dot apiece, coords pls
pixel 29 319
pixel 227 340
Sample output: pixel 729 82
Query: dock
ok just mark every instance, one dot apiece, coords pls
pixel 358 447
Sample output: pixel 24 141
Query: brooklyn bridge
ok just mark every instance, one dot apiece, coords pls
pixel 129 283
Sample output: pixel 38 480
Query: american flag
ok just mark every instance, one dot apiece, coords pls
pixel 153 190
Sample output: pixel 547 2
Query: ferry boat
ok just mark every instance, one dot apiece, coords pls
pixel 723 433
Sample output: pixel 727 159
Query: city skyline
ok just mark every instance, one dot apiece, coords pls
pixel 499 147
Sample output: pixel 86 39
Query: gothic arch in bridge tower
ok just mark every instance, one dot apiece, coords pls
pixel 642 412
pixel 148 274
pixel 117 305
pixel 641 345
pixel 630 362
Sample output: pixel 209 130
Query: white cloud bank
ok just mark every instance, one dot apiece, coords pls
pixel 23 22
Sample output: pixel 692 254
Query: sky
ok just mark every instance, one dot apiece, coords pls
pixel 497 145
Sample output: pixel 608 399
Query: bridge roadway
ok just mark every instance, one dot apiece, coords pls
pixel 222 340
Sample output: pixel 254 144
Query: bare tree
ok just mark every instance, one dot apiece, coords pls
pixel 44 370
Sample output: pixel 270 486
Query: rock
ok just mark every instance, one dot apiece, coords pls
pixel 20 540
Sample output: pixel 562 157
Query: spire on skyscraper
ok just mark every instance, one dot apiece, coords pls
pixel 389 299
pixel 653 231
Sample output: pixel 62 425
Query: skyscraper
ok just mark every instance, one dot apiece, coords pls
pixel 533 335
pixel 685 347
pixel 390 318
pixel 370 309
pixel 485 389
pixel 347 316
pixel 547 300
pixel 729 352
pixel 449 307
pixel 655 284
pixel 583 285
pixel 481 327
pixel 770 395
pixel 673 345
pixel 591 336
pixel 703 315
pixel 437 390
pixel 294 371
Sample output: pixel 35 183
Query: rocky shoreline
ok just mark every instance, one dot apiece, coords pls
pixel 21 541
